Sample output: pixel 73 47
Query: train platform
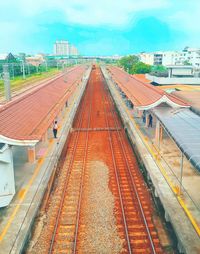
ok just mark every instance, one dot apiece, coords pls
pixel 31 182
pixel 185 223
pixel 99 203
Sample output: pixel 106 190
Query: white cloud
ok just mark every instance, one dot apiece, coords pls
pixel 186 21
pixel 105 45
pixel 22 18
pixel 13 34
pixel 89 12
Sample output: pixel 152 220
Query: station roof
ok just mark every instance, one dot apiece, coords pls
pixel 184 127
pixel 141 77
pixel 143 96
pixel 25 120
pixel 192 97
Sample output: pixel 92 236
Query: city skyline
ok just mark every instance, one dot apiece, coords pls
pixel 105 28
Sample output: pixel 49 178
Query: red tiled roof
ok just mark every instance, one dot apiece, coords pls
pixel 192 97
pixel 143 95
pixel 141 77
pixel 28 117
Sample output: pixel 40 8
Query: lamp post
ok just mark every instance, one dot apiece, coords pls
pixel 181 177
pixel 23 70
pixel 28 69
pixel 13 70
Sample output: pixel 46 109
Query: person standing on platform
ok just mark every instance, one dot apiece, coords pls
pixel 55 129
pixel 150 120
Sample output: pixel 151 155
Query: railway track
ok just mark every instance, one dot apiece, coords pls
pixel 98 136
pixel 141 235
pixel 67 220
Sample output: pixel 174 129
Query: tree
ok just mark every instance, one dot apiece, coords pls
pixel 128 61
pixel 158 68
pixel 186 62
pixel 140 68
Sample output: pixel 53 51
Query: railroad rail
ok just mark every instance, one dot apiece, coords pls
pixel 64 236
pixel 96 129
pixel 97 121
pixel 145 239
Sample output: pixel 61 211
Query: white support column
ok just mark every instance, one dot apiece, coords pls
pixel 158 133
pixel 181 172
pixel 31 154
pixel 45 137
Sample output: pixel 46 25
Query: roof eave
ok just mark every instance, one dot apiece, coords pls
pixel 163 99
pixel 17 142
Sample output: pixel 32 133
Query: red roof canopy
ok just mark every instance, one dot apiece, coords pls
pixel 143 95
pixel 28 117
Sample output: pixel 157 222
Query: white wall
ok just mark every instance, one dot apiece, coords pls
pixel 173 81
pixel 7 183
pixel 147 58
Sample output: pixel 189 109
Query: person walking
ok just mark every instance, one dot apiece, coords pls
pixel 55 129
pixel 150 121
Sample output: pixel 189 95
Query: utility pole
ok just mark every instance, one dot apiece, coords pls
pixel 6 79
pixel 181 176
pixel 65 75
pixel 13 70
pixel 29 69
pixel 46 65
pixel 23 70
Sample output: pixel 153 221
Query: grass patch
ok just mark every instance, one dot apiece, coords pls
pixel 18 82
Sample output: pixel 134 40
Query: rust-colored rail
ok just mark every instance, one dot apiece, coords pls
pixel 77 143
pixel 117 180
pixel 117 142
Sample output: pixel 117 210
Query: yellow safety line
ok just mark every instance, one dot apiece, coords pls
pixel 22 193
pixel 163 171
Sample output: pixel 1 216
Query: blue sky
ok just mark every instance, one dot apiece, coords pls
pixel 103 27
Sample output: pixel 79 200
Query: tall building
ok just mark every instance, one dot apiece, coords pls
pixel 160 58
pixel 192 56
pixel 62 48
pixel 73 51
pixel 187 56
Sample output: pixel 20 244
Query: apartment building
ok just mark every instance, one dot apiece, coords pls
pixel 73 51
pixel 64 48
pixel 188 56
pixel 61 48
pixel 193 56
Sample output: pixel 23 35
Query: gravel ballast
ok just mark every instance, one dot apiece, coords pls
pixel 99 233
